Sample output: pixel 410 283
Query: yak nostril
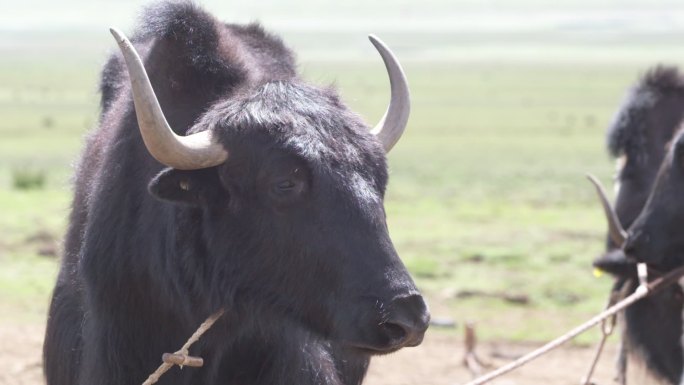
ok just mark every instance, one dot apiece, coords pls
pixel 395 333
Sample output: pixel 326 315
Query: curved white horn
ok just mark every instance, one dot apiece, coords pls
pixel 190 152
pixel 615 230
pixel 392 125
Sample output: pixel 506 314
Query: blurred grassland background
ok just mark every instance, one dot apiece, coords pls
pixel 487 202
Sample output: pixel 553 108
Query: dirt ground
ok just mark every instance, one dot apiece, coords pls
pixel 436 362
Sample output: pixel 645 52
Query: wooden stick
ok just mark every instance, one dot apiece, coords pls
pixel 182 360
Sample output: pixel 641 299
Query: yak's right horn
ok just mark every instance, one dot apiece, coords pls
pixel 189 152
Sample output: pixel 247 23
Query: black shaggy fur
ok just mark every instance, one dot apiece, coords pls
pixel 644 126
pixel 654 101
pixel 288 235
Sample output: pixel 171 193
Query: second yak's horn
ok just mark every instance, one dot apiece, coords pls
pixel 189 152
pixel 615 230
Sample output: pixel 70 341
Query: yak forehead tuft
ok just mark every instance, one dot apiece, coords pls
pixel 306 121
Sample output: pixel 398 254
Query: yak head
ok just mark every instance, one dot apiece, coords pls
pixel 638 136
pixel 290 184
pixel 654 237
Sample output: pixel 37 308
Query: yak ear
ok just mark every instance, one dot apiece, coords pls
pixel 180 186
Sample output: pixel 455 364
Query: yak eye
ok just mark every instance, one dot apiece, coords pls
pixel 285 185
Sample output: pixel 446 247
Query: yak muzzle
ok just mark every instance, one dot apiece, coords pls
pixel 407 322
pixel 396 324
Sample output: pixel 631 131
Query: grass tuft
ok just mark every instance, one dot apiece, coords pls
pixel 28 179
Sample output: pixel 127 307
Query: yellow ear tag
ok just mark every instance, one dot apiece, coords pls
pixel 598 273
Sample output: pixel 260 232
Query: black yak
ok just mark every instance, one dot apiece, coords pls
pixel 639 135
pixel 225 181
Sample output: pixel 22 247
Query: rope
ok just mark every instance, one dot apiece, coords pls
pixel 607 328
pixel 642 291
pixel 182 353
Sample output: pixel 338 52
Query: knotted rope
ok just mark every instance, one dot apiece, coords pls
pixel 182 357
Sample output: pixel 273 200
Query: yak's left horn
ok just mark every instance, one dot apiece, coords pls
pixel 615 230
pixel 189 152
pixel 392 125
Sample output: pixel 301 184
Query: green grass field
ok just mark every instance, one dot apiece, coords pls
pixel 487 189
